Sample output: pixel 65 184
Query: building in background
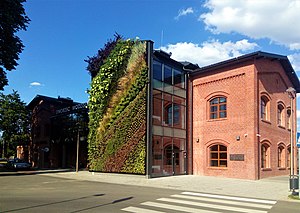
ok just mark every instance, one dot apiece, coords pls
pixel 54 130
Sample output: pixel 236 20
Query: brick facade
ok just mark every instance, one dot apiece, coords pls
pixel 242 131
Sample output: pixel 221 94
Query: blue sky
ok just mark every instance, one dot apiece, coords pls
pixel 62 33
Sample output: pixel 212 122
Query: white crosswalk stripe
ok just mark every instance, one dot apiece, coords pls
pixel 203 203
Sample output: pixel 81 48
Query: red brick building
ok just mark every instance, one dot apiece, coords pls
pixel 54 132
pixel 242 117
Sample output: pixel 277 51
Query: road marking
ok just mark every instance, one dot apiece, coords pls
pixel 253 200
pixel 263 206
pixel 140 210
pixel 213 206
pixel 176 208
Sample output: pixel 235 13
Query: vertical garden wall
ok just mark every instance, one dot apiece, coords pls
pixel 117 108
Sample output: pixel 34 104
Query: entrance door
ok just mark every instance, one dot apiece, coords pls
pixel 174 163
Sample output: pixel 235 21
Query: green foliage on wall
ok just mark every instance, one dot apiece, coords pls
pixel 117 110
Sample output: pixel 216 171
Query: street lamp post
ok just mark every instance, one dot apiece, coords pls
pixel 292 95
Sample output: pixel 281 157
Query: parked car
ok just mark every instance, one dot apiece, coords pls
pixel 3 162
pixel 18 164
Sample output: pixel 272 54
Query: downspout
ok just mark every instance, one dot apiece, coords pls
pixel 149 52
pixel 257 127
pixel 189 121
pixel 191 154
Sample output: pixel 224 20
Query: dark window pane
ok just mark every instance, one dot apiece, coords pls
pixel 168 75
pixel 214 155
pixel 214 148
pixel 222 107
pixel 223 148
pixel 213 115
pixel 214 101
pixel 222 100
pixel 223 163
pixel 157 70
pixel 223 156
pixel 178 78
pixel 213 163
pixel 213 108
pixel 222 114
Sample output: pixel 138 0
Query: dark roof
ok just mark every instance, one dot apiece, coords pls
pixel 166 58
pixel 283 60
pixel 58 100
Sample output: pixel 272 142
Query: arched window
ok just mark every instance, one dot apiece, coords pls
pixel 264 108
pixel 280 115
pixel 218 108
pixel 218 155
pixel 172 114
pixel 265 156
pixel 281 156
pixel 288 157
pixel 288 112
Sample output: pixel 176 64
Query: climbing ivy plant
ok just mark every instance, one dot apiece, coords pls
pixel 117 110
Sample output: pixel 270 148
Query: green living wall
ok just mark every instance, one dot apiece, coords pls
pixel 117 110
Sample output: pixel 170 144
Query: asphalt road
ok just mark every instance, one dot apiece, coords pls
pixel 35 193
pixel 40 193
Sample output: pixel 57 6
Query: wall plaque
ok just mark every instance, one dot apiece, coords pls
pixel 237 157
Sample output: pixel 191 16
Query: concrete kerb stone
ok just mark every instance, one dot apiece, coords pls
pixel 276 188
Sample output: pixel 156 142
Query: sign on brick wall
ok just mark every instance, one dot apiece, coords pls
pixel 237 157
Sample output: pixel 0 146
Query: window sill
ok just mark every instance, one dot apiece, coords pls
pixel 266 169
pixel 281 168
pixel 217 119
pixel 266 121
pixel 217 168
pixel 281 127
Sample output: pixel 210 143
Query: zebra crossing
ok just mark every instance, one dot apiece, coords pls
pixel 202 203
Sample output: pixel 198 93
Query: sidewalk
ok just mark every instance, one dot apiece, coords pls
pixel 275 188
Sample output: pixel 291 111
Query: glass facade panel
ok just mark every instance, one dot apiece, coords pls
pixel 168 75
pixel 157 70
pixel 179 92
pixel 157 154
pixel 157 84
pixel 157 111
pixel 179 80
pixel 168 120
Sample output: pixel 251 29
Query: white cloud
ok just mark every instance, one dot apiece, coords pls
pixel 184 12
pixel 35 84
pixel 277 20
pixel 209 52
pixel 295 61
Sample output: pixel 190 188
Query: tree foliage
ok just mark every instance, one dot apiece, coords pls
pixel 14 121
pixel 12 20
pixel 95 62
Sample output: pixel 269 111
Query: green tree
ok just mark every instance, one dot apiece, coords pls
pixel 14 122
pixel 12 19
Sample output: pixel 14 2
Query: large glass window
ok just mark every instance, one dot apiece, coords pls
pixel 218 108
pixel 218 156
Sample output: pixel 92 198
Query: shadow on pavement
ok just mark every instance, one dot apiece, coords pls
pixel 8 172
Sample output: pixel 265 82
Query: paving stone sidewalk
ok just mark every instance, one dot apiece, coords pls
pixel 275 188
